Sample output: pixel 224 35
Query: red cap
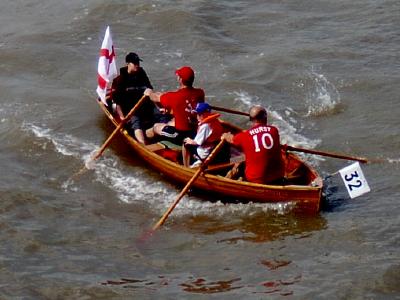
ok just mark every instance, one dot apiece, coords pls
pixel 186 73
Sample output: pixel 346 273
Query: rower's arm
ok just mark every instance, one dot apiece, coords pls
pixel 227 136
pixel 154 96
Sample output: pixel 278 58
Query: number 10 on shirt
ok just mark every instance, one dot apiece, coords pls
pixel 266 140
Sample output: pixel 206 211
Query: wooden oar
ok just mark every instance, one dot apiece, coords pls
pixel 323 153
pixel 202 167
pixel 291 148
pixel 232 111
pixel 108 141
pixel 120 125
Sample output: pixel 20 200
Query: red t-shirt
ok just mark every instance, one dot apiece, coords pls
pixel 180 103
pixel 261 146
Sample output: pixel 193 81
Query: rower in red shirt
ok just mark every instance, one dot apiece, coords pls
pixel 261 147
pixel 180 104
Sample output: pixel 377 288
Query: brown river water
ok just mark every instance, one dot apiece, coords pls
pixel 328 73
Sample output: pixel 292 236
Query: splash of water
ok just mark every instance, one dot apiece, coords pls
pixel 322 96
pixel 63 143
pixel 245 98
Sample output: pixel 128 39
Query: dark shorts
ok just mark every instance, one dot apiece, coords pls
pixel 162 118
pixel 147 121
pixel 137 123
pixel 170 133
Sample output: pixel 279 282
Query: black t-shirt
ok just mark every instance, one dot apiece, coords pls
pixel 129 88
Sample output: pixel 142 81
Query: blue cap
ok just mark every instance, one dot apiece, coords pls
pixel 202 108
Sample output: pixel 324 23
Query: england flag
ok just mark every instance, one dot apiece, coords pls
pixel 107 67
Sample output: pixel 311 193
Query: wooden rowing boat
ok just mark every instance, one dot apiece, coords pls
pixel 303 189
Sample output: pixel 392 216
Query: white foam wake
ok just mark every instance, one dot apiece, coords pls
pixel 137 184
pixel 107 169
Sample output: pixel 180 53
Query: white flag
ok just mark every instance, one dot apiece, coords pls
pixel 107 67
pixel 354 180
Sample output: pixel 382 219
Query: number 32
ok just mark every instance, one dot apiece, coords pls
pixel 356 183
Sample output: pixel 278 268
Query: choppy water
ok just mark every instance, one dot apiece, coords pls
pixel 329 74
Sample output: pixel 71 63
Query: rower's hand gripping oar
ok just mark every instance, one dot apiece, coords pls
pixel 108 141
pixel 201 169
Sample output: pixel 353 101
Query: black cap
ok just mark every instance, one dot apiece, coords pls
pixel 132 58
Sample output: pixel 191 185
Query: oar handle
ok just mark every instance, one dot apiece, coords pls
pixel 202 167
pixel 120 125
pixel 232 111
pixel 323 153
